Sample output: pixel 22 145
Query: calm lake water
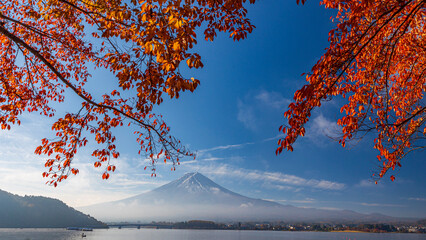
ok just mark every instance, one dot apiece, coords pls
pixel 169 234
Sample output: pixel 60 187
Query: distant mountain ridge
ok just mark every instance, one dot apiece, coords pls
pixel 195 196
pixel 40 212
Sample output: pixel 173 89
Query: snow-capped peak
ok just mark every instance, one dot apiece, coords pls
pixel 193 183
pixel 196 182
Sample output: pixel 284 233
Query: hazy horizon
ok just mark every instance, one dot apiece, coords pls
pixel 194 196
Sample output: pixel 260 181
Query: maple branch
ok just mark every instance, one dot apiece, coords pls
pixel 312 101
pixel 45 34
pixel 411 117
pixel 27 26
pixel 89 13
pixel 36 53
pixel 348 62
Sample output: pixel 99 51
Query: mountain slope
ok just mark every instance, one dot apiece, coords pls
pixel 196 189
pixel 194 196
pixel 40 212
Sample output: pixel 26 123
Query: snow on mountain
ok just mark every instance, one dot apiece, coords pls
pixel 195 196
pixel 196 189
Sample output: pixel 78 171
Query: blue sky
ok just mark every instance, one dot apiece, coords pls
pixel 231 121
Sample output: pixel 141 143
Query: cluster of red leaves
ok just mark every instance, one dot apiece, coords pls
pixel 377 62
pixel 45 49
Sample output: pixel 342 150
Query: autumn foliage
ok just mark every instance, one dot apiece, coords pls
pixel 376 61
pixel 46 49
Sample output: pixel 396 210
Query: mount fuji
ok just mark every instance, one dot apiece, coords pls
pixel 195 196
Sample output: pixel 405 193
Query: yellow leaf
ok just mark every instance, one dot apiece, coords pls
pixel 176 46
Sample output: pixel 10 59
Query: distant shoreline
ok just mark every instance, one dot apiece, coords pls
pixel 333 231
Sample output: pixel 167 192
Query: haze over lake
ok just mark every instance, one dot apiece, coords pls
pixel 159 234
pixel 194 196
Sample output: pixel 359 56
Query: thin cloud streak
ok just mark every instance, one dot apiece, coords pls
pixel 417 199
pixel 306 200
pixel 331 208
pixel 278 187
pixel 225 147
pixel 240 145
pixel 273 138
pixel 211 159
pixel 272 177
pixel 381 205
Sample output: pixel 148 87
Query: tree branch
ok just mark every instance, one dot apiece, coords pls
pixel 36 53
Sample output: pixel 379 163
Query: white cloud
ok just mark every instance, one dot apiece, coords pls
pixel 268 177
pixel 211 159
pixel 297 201
pixel 304 201
pixel 368 183
pixel 321 130
pixel 323 126
pixel 276 200
pixel 225 147
pixel 246 205
pixel 331 208
pixel 380 205
pixel 278 187
pixel 231 146
pixel 272 99
pixel 188 162
pixel 417 199
pixel 274 138
pixel 252 109
pixel 215 190
pixel 246 115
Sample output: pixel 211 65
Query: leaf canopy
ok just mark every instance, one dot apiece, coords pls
pixel 47 47
pixel 376 61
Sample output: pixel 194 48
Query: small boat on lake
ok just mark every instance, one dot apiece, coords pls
pixel 79 229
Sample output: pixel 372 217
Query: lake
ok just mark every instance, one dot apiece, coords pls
pixel 175 234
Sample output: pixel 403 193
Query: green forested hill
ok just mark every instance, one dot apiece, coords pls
pixel 40 212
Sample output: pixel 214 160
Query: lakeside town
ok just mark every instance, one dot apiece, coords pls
pixel 418 227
